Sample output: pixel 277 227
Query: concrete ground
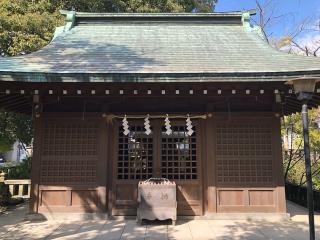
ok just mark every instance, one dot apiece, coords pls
pixel 13 226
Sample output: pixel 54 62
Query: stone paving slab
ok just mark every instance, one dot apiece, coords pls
pixel 201 229
pixel 157 232
pixel 133 231
pixel 180 231
pixel 295 229
pixel 195 229
pixel 111 230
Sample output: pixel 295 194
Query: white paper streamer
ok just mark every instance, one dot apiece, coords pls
pixel 189 126
pixel 168 125
pixel 147 125
pixel 125 125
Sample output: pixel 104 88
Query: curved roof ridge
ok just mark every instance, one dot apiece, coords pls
pixel 144 48
pixel 236 17
pixel 177 14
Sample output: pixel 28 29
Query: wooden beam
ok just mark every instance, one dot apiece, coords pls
pixel 17 103
pixel 12 101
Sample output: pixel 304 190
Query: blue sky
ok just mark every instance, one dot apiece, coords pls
pixel 294 11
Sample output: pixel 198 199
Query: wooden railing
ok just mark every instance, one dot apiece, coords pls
pixel 298 195
pixel 17 187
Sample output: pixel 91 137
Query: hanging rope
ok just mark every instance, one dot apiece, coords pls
pixel 111 117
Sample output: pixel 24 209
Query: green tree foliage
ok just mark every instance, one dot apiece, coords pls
pixel 4 194
pixel 14 127
pixel 292 135
pixel 137 5
pixel 6 134
pixel 21 171
pixel 28 25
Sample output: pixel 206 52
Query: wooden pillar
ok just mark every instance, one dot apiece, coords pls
pixel 29 190
pixel 2 177
pixel 20 190
pixel 278 167
pixel 11 189
pixel 110 128
pixel 102 168
pixel 35 167
pixel 211 198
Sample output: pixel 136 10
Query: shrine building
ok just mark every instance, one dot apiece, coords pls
pixel 118 98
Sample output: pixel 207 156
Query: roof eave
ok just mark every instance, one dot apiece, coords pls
pixel 156 77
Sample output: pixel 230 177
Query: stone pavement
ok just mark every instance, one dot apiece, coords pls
pixel 12 226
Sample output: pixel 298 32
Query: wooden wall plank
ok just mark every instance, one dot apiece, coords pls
pixel 258 196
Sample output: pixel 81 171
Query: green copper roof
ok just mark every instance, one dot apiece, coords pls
pixel 217 44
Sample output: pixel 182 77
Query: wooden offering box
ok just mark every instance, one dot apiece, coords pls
pixel 157 200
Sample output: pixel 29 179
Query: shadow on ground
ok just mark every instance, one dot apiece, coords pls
pixel 17 228
pixel 193 229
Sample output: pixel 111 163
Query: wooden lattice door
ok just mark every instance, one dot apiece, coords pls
pixel 175 156
pixel 180 161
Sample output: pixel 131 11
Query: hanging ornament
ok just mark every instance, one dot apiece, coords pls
pixel 189 126
pixel 168 125
pixel 147 125
pixel 125 125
